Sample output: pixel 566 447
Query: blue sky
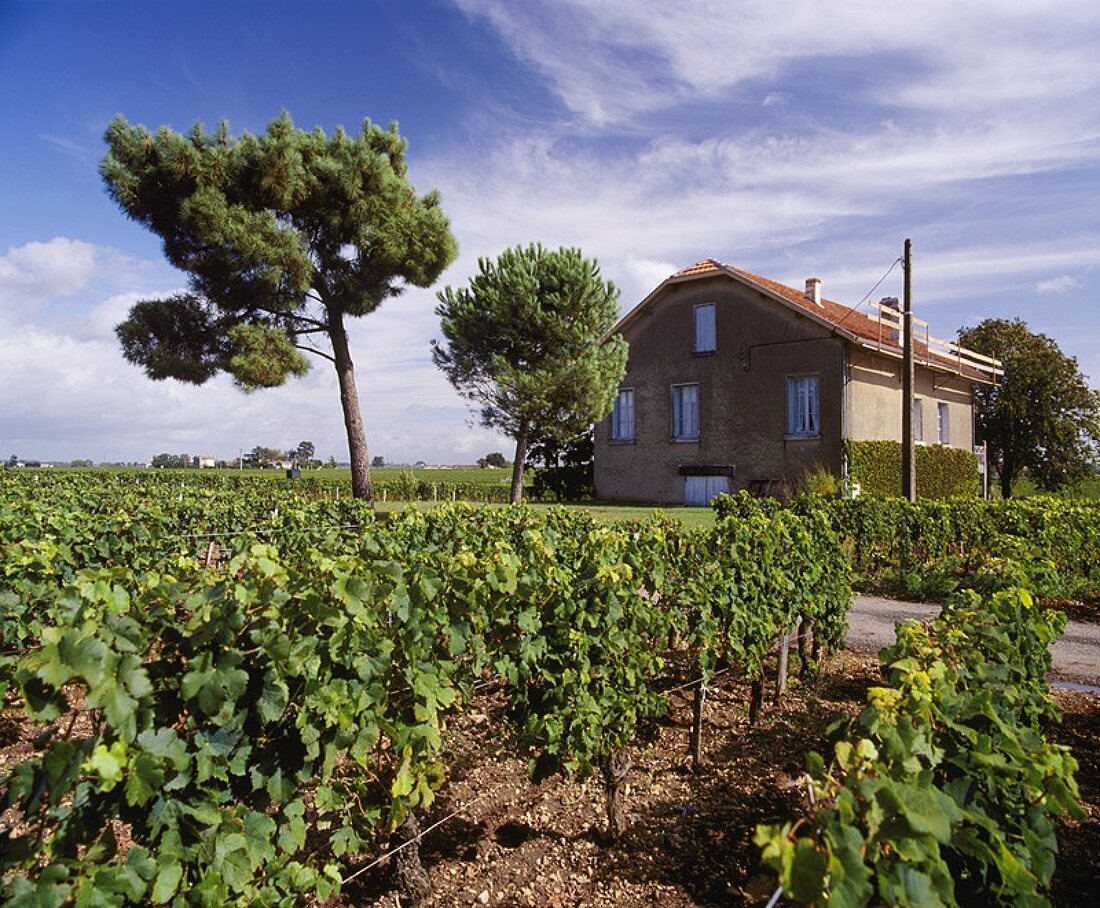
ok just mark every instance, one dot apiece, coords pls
pixel 787 138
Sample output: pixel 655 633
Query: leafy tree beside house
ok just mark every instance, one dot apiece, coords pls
pixel 303 454
pixel 284 236
pixel 1042 418
pixel 564 470
pixel 523 344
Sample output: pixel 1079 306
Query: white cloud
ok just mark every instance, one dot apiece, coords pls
pixel 1061 284
pixel 617 60
pixel 47 279
pixel 36 272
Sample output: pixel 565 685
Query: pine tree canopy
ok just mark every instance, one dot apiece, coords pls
pixel 273 231
pixel 282 235
pixel 526 344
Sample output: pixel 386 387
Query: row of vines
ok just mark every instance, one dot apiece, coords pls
pixel 240 689
pixel 944 790
pixel 930 548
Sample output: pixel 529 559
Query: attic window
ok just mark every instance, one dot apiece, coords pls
pixel 705 341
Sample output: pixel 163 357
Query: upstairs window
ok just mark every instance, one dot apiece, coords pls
pixel 943 424
pixel 622 416
pixel 803 407
pixel 705 341
pixel 685 412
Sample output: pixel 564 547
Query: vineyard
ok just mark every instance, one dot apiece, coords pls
pixel 243 692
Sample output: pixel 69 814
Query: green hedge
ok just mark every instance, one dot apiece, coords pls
pixel 942 472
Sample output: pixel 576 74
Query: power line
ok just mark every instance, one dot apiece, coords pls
pixel 867 295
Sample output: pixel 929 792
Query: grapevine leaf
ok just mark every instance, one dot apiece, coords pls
pixel 166 883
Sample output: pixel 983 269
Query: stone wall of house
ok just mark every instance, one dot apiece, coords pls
pixel 742 394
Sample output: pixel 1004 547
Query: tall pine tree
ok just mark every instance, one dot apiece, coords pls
pixel 284 235
pixel 525 342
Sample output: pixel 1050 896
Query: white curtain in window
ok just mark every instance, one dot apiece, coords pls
pixel 802 406
pixel 622 416
pixel 685 411
pixel 943 433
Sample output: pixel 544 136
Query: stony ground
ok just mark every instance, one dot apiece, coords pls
pixel 518 844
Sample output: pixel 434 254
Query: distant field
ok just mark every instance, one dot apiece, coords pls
pixel 490 477
pixel 495 477
pixel 500 479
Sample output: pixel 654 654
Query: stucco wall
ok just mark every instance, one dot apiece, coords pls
pixel 874 401
pixel 742 394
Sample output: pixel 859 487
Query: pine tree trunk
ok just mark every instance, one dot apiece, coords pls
pixel 522 440
pixel 615 770
pixel 349 401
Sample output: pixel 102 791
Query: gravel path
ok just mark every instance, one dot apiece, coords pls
pixel 871 627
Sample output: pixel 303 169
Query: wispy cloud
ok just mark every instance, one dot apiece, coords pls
pixel 1062 284
pixel 615 60
pixel 84 155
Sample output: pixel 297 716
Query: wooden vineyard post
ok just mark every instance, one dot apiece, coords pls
pixel 697 726
pixel 616 767
pixel 781 660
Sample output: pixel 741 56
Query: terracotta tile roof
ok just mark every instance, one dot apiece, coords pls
pixel 859 325
pixel 837 314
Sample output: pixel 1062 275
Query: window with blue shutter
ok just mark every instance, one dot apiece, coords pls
pixel 685 412
pixel 622 416
pixel 705 339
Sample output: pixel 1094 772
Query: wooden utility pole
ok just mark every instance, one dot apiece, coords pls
pixel 908 446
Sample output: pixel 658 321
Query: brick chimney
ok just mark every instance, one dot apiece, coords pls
pixel 813 291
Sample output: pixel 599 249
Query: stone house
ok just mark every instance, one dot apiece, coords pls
pixel 735 382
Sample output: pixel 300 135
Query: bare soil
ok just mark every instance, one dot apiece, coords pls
pixel 514 843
